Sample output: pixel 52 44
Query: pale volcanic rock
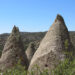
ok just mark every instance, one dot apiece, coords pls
pixel 31 50
pixel 52 48
pixel 13 51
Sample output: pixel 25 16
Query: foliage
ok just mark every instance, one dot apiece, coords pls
pixel 65 68
pixel 66 44
pixel 16 70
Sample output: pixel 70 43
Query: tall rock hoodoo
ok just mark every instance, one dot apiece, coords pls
pixel 53 47
pixel 31 50
pixel 13 51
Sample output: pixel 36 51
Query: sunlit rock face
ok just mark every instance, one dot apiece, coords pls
pixel 53 47
pixel 13 51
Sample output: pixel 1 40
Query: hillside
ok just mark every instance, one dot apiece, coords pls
pixel 72 36
pixel 29 37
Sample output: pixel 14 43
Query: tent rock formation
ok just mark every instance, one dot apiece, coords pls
pixel 52 48
pixel 13 51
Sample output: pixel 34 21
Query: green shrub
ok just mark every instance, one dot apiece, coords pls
pixel 65 68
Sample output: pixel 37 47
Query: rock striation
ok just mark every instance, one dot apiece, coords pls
pixel 13 51
pixel 53 47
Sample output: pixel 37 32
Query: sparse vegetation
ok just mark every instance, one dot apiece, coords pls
pixel 65 68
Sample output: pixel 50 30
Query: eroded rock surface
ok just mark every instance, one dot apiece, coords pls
pixel 32 49
pixel 13 51
pixel 53 47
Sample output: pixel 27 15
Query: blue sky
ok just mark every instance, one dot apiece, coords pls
pixel 35 15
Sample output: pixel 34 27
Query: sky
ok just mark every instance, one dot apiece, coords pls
pixel 35 15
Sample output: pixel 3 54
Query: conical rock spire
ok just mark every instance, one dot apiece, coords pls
pixel 60 18
pixel 52 48
pixel 13 51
